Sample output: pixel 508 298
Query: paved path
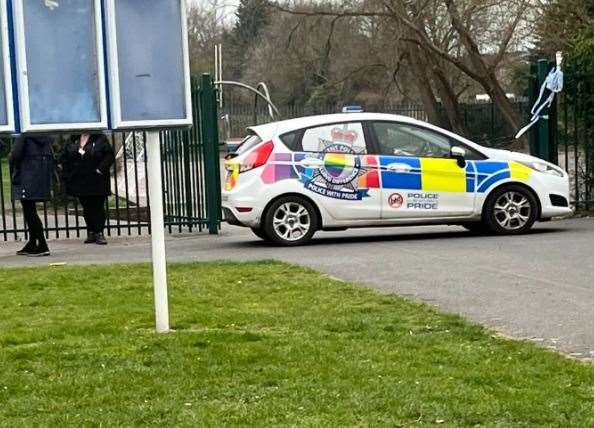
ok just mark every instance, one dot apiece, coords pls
pixel 538 286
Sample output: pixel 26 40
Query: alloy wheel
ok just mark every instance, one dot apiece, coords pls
pixel 512 210
pixel 291 221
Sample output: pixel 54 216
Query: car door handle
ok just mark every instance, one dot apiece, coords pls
pixel 311 163
pixel 399 167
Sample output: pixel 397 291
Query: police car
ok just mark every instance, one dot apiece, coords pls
pixel 289 179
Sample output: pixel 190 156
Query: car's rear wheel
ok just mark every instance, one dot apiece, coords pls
pixel 290 221
pixel 260 233
pixel 510 210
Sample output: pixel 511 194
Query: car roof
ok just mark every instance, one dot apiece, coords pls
pixel 270 130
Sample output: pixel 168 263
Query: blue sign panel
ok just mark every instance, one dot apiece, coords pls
pixel 148 63
pixel 60 62
pixel 6 103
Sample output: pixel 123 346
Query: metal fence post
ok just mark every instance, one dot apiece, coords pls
pixel 532 95
pixel 543 124
pixel 187 141
pixel 210 141
pixel 553 128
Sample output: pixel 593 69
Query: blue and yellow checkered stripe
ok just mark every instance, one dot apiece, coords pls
pixel 444 175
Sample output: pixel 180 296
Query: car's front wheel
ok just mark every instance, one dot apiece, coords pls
pixel 290 221
pixel 510 210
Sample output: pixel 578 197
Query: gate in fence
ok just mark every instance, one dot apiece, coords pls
pixel 574 136
pixel 191 181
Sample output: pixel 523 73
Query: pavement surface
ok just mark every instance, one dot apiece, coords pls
pixel 537 287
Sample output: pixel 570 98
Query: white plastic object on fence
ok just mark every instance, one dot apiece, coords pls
pixel 554 84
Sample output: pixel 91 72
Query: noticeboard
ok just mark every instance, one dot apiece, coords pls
pixel 149 73
pixel 6 103
pixel 59 52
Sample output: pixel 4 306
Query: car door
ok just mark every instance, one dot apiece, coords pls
pixel 419 178
pixel 337 171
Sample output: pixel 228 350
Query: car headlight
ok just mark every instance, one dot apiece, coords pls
pixel 544 167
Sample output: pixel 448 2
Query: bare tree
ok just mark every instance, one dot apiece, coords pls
pixel 474 40
pixel 207 22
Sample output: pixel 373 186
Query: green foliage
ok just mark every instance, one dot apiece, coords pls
pixel 252 17
pixel 568 26
pixel 582 53
pixel 262 344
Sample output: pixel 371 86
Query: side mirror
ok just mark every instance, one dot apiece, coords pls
pixel 459 154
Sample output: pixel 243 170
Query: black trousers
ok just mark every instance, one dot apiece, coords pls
pixel 34 225
pixel 94 212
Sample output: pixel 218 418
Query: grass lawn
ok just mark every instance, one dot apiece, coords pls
pixel 262 344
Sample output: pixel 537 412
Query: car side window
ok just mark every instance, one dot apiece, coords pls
pixel 337 138
pixel 291 140
pixel 398 139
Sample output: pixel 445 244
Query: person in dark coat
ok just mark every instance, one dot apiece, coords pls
pixel 86 163
pixel 32 165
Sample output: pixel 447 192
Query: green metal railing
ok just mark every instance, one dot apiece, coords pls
pixel 191 171
pixel 574 135
pixel 565 133
pixel 191 181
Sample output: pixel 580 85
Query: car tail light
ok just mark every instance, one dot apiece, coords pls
pixel 254 159
pixel 232 174
pixel 257 157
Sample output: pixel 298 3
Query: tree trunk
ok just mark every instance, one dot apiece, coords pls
pixel 423 84
pixel 500 99
pixel 449 101
pixel 484 75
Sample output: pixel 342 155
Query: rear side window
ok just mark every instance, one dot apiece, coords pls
pixel 339 138
pixel 291 140
pixel 248 143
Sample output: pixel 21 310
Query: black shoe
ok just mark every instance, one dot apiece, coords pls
pixel 39 252
pixel 27 249
pixel 91 238
pixel 100 239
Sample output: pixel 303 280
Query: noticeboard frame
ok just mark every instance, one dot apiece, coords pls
pixel 117 123
pixel 23 81
pixel 10 126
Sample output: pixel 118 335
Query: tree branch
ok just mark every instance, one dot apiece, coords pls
pixel 507 36
pixel 344 14
pixel 427 43
pixel 355 71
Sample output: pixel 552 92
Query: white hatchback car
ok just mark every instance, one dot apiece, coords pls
pixel 291 178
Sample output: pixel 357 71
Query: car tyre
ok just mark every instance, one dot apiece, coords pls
pixel 510 210
pixel 290 221
pixel 260 233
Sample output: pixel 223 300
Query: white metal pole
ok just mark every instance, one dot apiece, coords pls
pixel 220 75
pixel 155 187
pixel 216 62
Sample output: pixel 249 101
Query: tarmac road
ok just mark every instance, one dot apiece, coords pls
pixel 538 286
